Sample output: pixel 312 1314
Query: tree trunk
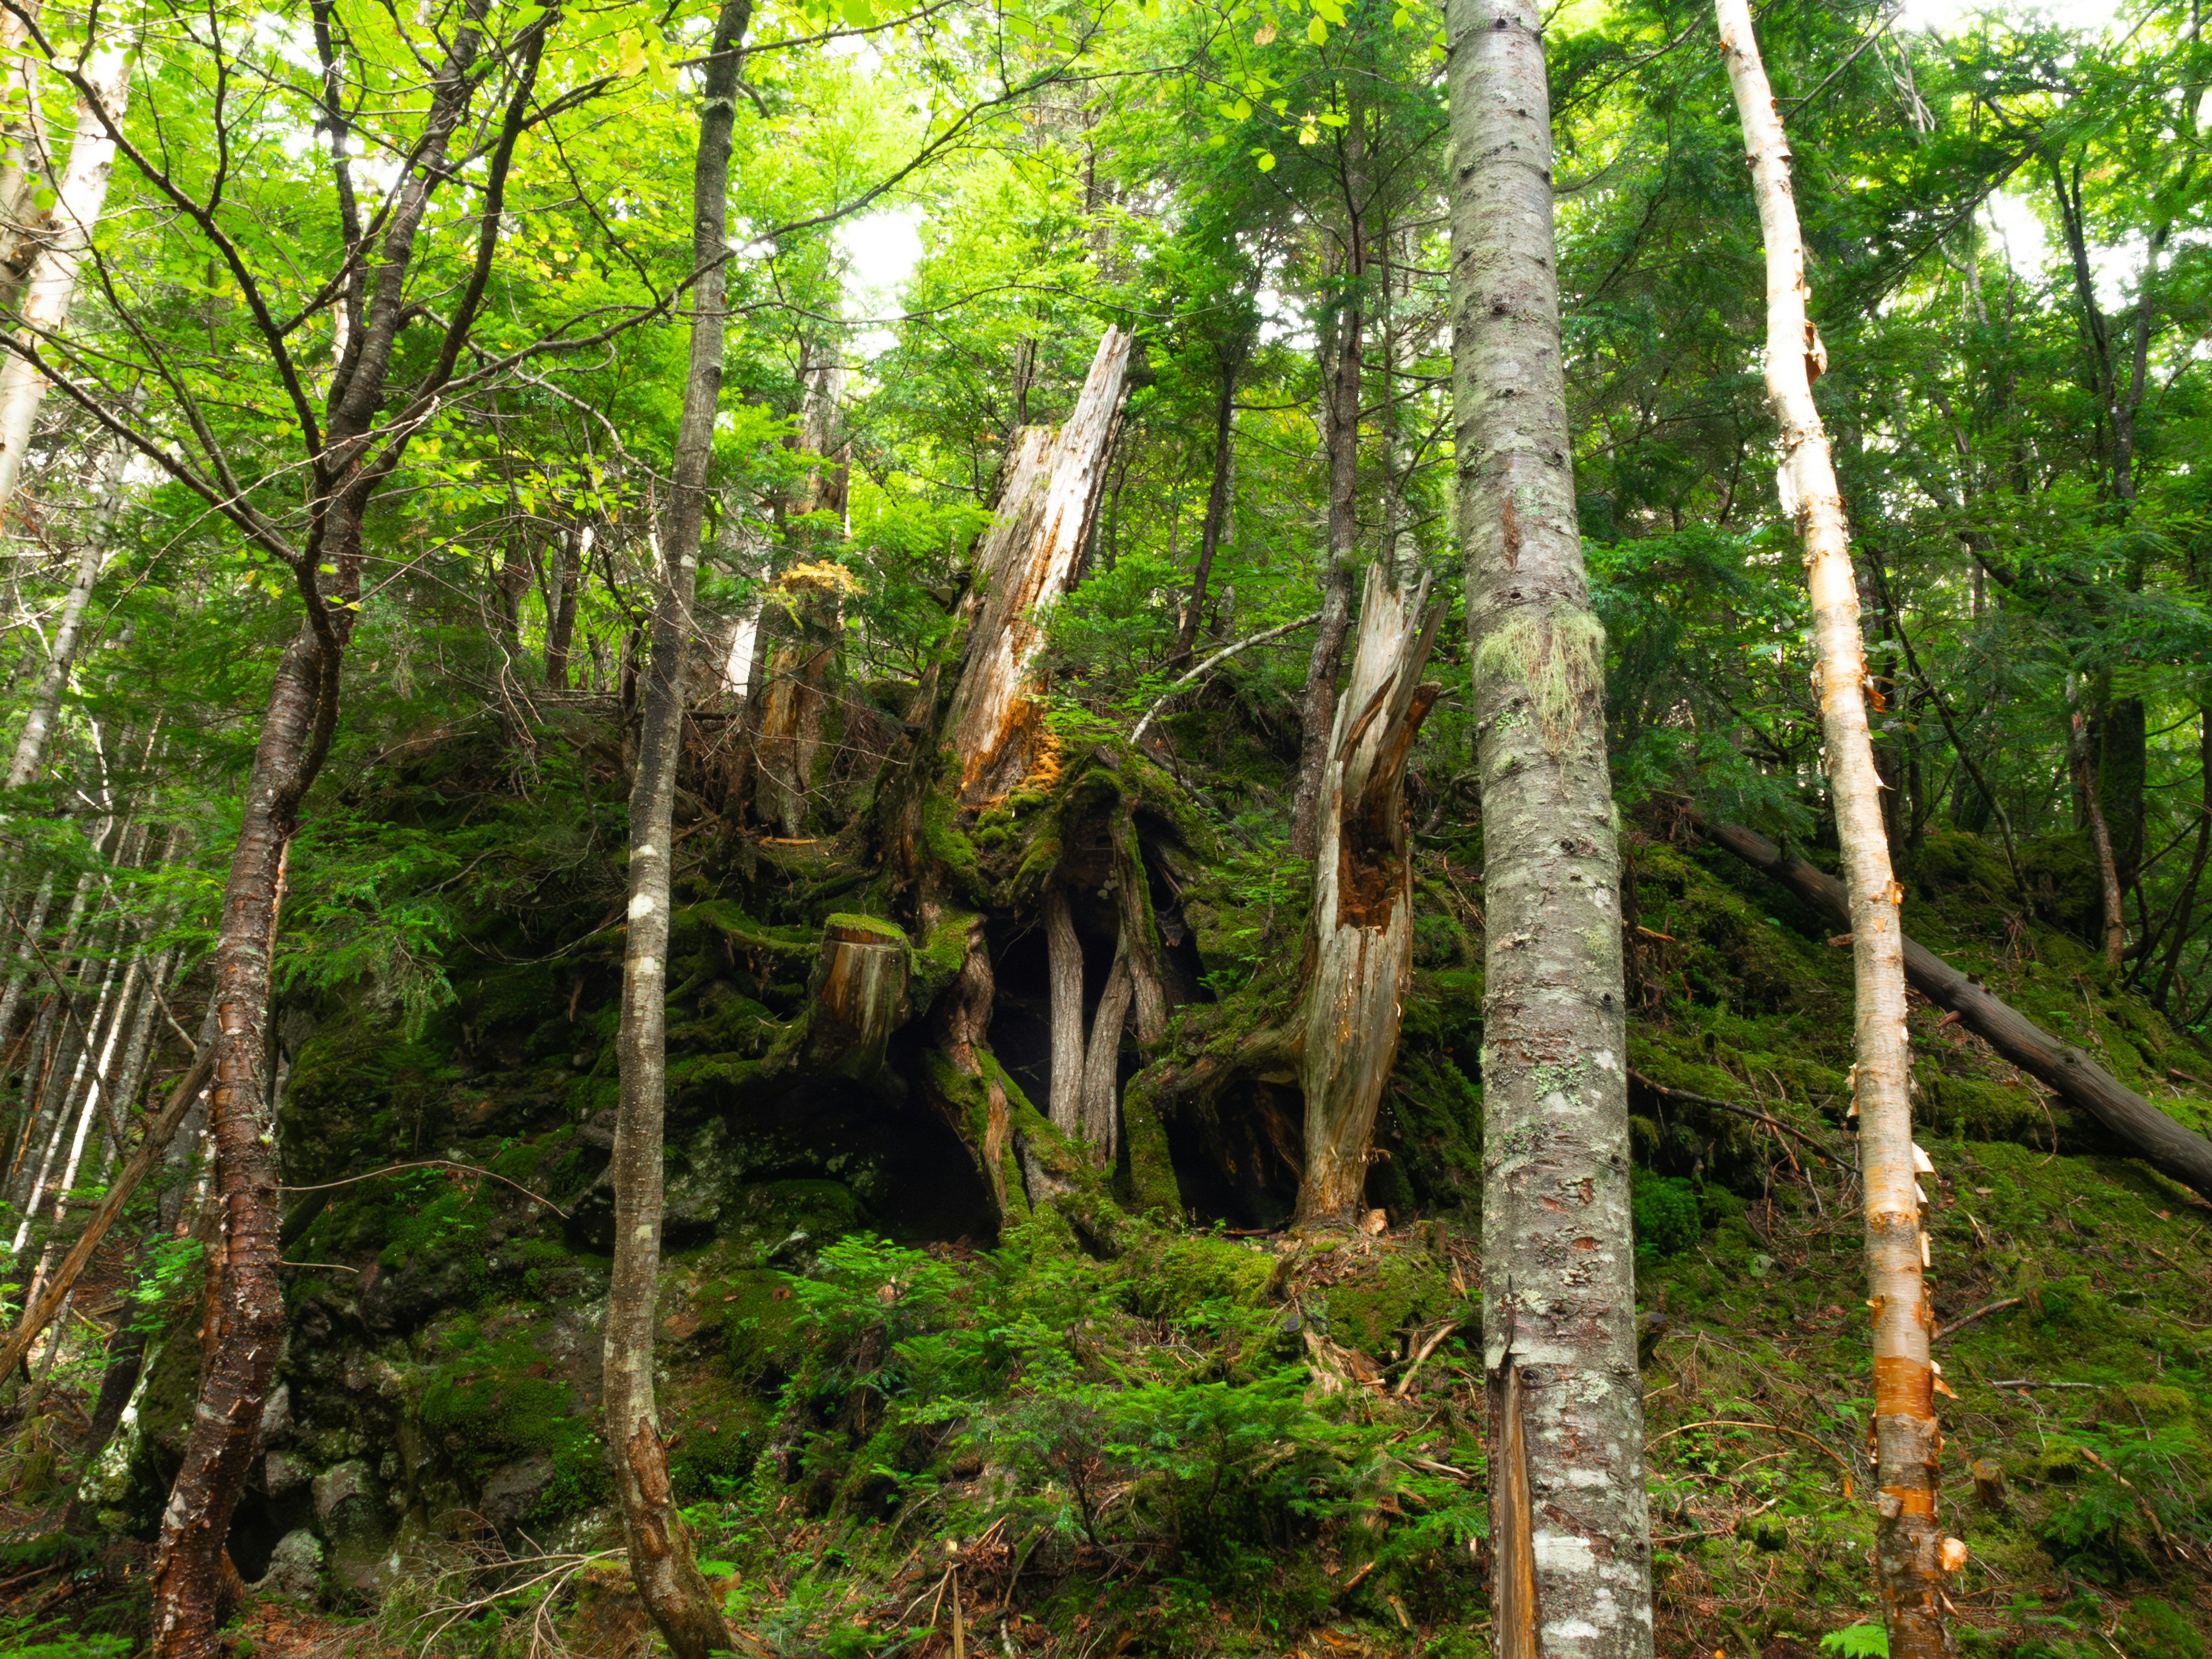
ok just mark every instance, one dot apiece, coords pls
pixel 1064 957
pixel 244 1330
pixel 1341 428
pixel 61 655
pixel 53 282
pixel 560 619
pixel 245 1308
pixel 1359 941
pixel 2185 910
pixel 1910 1551
pixel 2088 792
pixel 1559 1262
pixel 660 1560
pixel 1025 564
pixel 856 999
pixel 787 736
pixel 158 1134
pixel 1217 498
pixel 1102 1061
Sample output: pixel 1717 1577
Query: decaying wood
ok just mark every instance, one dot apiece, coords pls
pixel 856 998
pixel 1025 564
pixel 2157 1139
pixel 787 733
pixel 1359 940
pixel 1064 958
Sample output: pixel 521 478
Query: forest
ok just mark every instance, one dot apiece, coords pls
pixel 1065 828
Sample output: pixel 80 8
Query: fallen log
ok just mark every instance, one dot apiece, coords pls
pixel 2155 1137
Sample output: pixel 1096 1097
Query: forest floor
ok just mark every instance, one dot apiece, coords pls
pixel 1219 1439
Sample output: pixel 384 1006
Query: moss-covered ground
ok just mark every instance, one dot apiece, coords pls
pixel 1180 1429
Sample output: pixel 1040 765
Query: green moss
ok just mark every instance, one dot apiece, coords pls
pixel 491 1400
pixel 1665 1212
pixel 1403 1288
pixel 938 961
pixel 1171 1277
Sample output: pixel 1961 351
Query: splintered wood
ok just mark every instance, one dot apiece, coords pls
pixel 1025 564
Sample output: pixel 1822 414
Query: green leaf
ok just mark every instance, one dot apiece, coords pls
pixel 859 13
pixel 1316 31
pixel 1331 10
pixel 1265 160
pixel 1401 19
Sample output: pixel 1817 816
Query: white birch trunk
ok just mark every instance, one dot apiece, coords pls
pixel 52 284
pixel 1910 1553
pixel 1025 564
pixel 61 655
pixel 1359 941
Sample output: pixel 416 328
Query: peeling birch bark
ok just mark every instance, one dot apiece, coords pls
pixel 1558 1264
pixel 51 285
pixel 1359 941
pixel 1025 565
pixel 1909 1548
pixel 61 655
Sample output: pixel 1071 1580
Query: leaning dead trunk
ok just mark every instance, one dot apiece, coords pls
pixel 660 1560
pixel 1559 1307
pixel 53 282
pixel 1359 941
pixel 1025 564
pixel 1910 1553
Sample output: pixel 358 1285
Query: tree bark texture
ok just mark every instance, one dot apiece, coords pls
pixel 51 285
pixel 2171 1149
pixel 1359 940
pixel 68 627
pixel 1025 564
pixel 1558 1261
pixel 245 1308
pixel 660 1560
pixel 856 998
pixel 1910 1550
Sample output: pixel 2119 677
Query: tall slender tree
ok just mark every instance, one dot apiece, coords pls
pixel 660 1560
pixel 1569 1530
pixel 1911 1554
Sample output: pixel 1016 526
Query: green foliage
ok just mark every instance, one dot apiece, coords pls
pixel 1858 1641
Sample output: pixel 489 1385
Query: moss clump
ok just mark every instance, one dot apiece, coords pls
pixel 1171 1277
pixel 1665 1210
pixel 492 1399
pixel 1374 1301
